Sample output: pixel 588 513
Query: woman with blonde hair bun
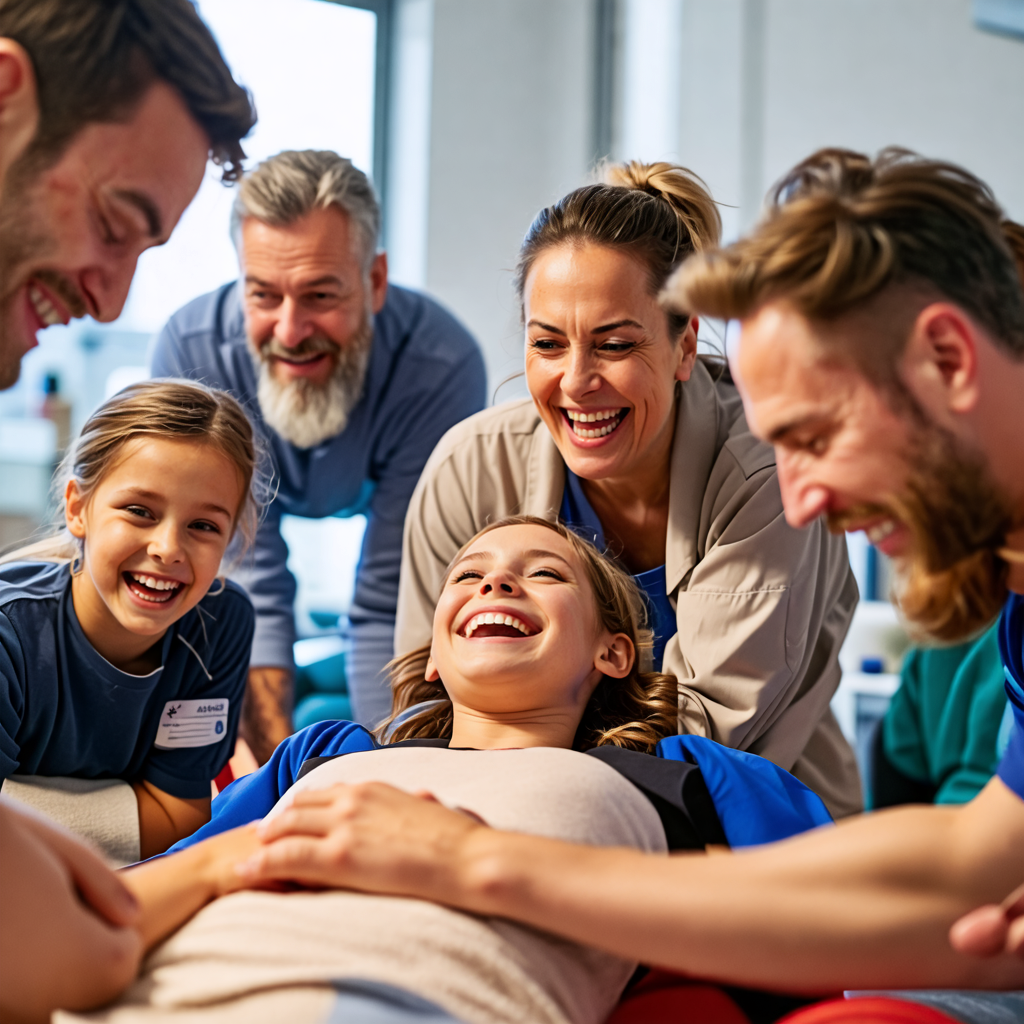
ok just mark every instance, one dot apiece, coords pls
pixel 637 443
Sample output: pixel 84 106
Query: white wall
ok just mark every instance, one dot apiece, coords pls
pixel 511 84
pixel 499 98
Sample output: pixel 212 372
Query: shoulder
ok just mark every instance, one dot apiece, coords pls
pixel 750 454
pixel 31 582
pixel 212 314
pixel 505 432
pixel 228 603
pixel 427 329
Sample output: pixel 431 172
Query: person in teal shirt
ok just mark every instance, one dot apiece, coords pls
pixel 942 738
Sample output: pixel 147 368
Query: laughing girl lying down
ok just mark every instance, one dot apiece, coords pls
pixel 527 711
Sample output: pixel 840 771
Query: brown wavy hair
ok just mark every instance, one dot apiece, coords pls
pixel 633 712
pixel 658 213
pixel 873 242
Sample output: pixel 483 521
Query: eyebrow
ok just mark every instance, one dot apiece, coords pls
pixel 604 329
pixel 476 556
pixel 327 279
pixel 790 427
pixel 145 205
pixel 136 492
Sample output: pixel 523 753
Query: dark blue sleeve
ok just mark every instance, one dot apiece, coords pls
pixel 251 797
pixel 12 695
pixel 187 773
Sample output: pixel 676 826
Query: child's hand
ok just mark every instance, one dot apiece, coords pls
pixel 222 855
pixel 371 836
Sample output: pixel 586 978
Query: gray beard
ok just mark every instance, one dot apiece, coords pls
pixel 306 414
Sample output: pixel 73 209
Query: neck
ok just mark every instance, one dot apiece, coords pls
pixel 541 727
pixel 137 655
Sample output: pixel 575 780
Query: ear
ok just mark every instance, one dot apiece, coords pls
pixel 74 510
pixel 430 673
pixel 19 103
pixel 940 363
pixel 615 656
pixel 687 350
pixel 379 281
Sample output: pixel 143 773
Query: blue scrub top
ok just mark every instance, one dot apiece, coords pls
pixel 66 711
pixel 578 514
pixel 1011 647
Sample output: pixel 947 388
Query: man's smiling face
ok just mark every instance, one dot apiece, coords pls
pixel 873 459
pixel 72 230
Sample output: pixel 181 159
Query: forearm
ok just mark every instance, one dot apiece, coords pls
pixel 164 819
pixel 170 890
pixel 868 904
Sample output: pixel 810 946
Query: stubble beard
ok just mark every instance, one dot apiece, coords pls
pixel 306 413
pixel 951 583
pixel 22 243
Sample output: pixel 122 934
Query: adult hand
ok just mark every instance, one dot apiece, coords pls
pixel 67 932
pixel 993 929
pixel 371 837
pixel 267 710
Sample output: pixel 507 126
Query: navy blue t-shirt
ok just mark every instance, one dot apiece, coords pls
pixel 65 710
pixel 578 514
pixel 1011 647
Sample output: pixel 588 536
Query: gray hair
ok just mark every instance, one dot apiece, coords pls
pixel 284 188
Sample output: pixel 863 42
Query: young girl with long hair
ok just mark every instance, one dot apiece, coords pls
pixel 527 710
pixel 117 660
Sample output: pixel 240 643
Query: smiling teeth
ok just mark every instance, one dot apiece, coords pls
pixel 155 584
pixel 880 531
pixel 610 417
pixel 487 618
pixel 44 308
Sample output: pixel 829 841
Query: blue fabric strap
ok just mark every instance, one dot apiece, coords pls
pixel 757 801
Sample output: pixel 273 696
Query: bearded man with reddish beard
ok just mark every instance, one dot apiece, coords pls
pixel 880 349
pixel 351 382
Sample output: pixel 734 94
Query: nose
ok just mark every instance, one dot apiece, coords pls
pixel 105 286
pixel 165 543
pixel 499 581
pixel 293 327
pixel 803 497
pixel 580 376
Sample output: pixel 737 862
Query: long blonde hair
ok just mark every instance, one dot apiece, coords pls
pixel 175 410
pixel 634 712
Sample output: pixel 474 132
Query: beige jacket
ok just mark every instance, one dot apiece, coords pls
pixel 762 608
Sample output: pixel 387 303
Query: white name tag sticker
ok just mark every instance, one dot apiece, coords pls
pixel 192 723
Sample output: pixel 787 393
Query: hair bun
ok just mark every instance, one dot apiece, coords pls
pixel 684 191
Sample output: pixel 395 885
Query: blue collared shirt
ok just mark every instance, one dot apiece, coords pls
pixel 425 374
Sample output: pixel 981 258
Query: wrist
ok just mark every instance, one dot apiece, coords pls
pixel 486 872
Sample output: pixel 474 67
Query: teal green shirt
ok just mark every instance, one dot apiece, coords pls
pixel 944 721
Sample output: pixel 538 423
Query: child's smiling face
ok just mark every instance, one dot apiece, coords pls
pixel 154 532
pixel 516 628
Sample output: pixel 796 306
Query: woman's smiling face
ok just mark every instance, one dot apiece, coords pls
pixel 154 532
pixel 516 627
pixel 601 364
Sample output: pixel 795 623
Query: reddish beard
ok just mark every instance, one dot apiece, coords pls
pixel 951 582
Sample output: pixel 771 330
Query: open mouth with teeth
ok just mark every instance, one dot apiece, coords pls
pixel 44 308
pixel 491 624
pixel 149 588
pixel 591 425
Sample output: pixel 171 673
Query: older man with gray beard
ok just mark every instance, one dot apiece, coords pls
pixel 351 383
